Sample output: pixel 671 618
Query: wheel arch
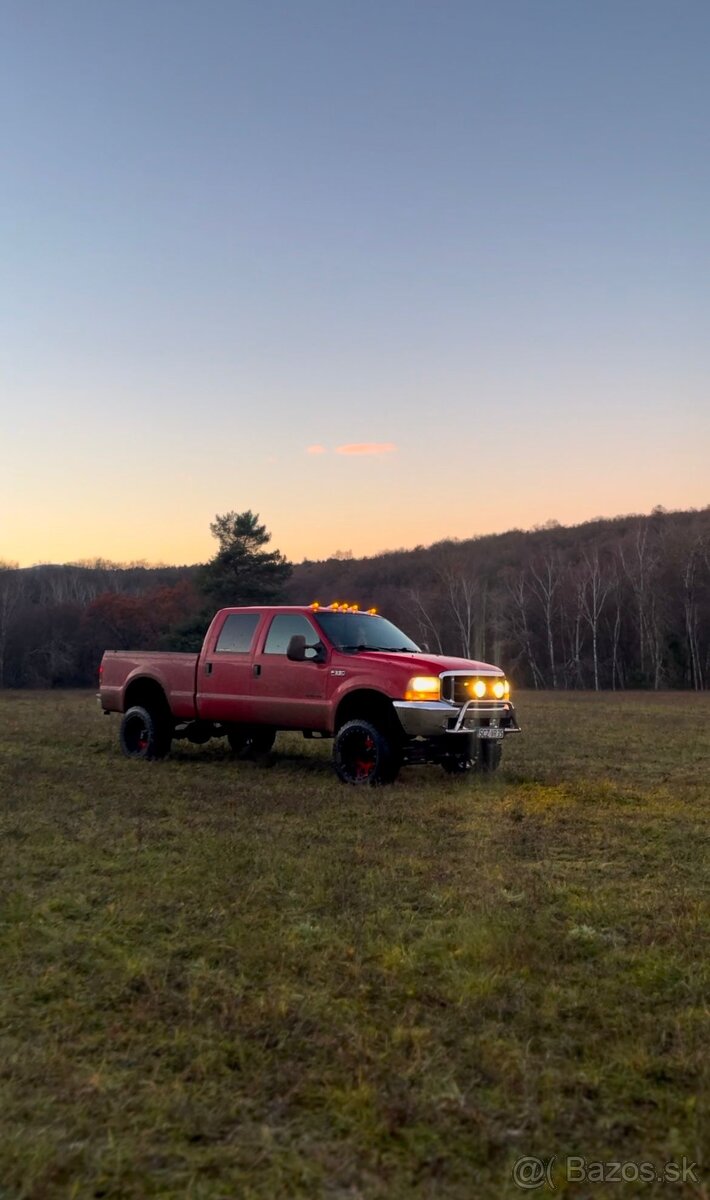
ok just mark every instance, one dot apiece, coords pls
pixel 147 692
pixel 368 704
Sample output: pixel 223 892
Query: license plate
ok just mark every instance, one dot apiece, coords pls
pixel 491 732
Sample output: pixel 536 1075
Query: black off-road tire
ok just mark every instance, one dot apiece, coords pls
pixel 489 756
pixel 364 754
pixel 250 741
pixel 145 733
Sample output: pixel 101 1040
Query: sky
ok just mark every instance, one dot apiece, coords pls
pixel 382 271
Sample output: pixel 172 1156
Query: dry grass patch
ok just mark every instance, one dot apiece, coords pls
pixel 245 980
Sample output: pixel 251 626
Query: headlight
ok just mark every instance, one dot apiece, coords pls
pixel 479 688
pixel 499 689
pixel 423 687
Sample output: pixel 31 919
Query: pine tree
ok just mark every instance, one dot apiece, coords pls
pixel 242 572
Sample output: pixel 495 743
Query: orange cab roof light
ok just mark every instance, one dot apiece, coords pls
pixel 342 606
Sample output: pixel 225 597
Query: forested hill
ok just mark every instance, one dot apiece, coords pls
pixel 56 621
pixel 617 603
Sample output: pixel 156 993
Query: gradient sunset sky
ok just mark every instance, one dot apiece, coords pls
pixel 383 271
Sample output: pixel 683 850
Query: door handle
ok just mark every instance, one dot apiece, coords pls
pixel 208 668
pixel 256 669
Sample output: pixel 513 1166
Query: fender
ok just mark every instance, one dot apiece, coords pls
pixel 351 688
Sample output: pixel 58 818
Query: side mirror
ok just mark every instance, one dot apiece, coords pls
pixel 296 649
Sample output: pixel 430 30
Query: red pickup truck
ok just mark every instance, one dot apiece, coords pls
pixel 329 672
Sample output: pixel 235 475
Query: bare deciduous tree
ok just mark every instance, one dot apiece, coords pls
pixel 545 583
pixel 594 589
pixel 428 629
pixel 518 593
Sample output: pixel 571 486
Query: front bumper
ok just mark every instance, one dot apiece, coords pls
pixel 433 718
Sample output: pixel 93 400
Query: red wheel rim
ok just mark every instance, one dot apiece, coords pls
pixel 361 756
pixel 137 737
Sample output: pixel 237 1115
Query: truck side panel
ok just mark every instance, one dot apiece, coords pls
pixel 173 671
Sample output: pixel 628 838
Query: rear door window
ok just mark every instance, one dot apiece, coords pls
pixel 237 633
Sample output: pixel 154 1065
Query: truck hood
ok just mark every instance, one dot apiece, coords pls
pixel 418 663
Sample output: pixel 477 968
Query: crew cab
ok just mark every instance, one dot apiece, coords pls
pixel 332 672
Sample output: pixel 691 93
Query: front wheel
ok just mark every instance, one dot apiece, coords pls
pixel 144 733
pixel 363 754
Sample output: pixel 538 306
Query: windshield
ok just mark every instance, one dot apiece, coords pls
pixel 358 631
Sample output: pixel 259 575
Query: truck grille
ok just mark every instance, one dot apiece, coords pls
pixel 457 689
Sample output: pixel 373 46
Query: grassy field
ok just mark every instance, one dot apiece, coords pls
pixel 238 980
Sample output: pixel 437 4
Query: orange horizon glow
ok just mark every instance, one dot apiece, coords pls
pixel 337 533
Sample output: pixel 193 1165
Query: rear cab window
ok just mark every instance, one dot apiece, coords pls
pixel 237 633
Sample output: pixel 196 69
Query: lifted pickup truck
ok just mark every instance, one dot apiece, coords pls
pixel 329 672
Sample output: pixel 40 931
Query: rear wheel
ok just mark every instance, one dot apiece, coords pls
pixel 250 741
pixel 145 733
pixel 364 754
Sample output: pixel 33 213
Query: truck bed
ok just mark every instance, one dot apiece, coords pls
pixel 175 672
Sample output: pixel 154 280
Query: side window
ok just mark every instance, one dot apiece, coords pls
pixel 237 633
pixel 282 629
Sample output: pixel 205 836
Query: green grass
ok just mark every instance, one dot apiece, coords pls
pixel 247 981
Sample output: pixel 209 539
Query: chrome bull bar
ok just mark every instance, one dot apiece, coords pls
pixel 482 709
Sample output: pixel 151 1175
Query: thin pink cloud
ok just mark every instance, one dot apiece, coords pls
pixel 367 448
pixel 315 450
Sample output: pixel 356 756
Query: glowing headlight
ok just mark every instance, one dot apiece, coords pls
pixel 423 687
pixel 479 688
pixel 499 689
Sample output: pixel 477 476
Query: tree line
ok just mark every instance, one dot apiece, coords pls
pixel 609 604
